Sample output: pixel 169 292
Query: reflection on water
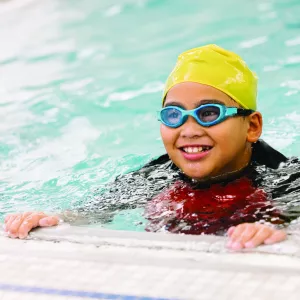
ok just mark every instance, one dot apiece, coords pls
pixel 80 85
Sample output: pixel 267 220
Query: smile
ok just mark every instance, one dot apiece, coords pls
pixel 195 149
pixel 194 153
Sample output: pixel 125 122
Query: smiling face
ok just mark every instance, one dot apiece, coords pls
pixel 207 152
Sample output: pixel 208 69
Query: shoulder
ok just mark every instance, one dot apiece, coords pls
pixel 163 159
pixel 264 154
pixel 162 163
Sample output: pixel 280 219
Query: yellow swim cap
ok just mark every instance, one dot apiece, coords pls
pixel 214 66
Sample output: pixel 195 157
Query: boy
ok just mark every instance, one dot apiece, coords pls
pixel 210 129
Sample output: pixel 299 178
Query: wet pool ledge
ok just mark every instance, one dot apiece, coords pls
pixel 70 262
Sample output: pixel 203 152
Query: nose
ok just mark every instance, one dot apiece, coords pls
pixel 191 129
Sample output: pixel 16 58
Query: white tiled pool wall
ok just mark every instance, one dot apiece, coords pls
pixel 89 263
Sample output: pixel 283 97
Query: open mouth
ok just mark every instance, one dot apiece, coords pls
pixel 198 149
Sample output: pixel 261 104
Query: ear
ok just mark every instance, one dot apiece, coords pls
pixel 255 127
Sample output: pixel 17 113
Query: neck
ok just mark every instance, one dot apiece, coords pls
pixel 226 176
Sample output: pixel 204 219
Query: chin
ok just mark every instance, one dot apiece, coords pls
pixel 196 175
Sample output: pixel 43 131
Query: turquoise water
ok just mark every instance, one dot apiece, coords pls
pixel 80 83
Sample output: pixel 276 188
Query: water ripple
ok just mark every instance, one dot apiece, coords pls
pixel 254 42
pixel 81 82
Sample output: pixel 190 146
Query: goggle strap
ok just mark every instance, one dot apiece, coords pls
pixel 244 112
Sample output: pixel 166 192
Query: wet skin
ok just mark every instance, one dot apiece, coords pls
pixel 229 141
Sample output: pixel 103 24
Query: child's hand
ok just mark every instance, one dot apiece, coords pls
pixel 251 235
pixel 19 225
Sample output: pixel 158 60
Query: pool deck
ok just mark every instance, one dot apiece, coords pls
pixel 70 262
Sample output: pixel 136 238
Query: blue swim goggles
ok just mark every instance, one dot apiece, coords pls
pixel 206 115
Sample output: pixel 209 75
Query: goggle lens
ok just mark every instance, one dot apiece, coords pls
pixel 171 116
pixel 208 114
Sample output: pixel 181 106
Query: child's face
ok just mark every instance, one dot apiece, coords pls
pixel 228 143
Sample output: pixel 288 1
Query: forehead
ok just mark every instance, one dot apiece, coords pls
pixel 190 93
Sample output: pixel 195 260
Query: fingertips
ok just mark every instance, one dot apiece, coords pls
pixel 25 227
pixel 18 225
pixel 28 222
pixel 276 237
pixel 48 221
pixel 8 220
pixel 15 225
pixel 234 234
pixel 35 218
pixel 9 224
pixel 260 236
pixel 7 217
pixel 234 245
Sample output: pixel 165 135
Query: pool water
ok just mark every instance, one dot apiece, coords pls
pixel 80 83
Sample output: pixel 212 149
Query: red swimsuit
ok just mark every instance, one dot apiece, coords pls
pixel 182 209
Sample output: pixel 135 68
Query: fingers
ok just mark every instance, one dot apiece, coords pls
pixel 11 222
pixel 235 234
pixel 276 237
pixel 29 222
pixel 262 233
pixel 19 225
pixel 8 222
pixel 14 226
pixel 241 235
pixel 230 231
pixel 49 221
pixel 7 217
pixel 250 235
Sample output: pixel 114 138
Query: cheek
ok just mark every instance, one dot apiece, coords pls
pixel 168 136
pixel 231 135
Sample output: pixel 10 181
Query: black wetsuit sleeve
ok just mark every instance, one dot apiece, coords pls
pixel 264 154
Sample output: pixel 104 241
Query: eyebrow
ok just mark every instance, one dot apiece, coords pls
pixel 196 104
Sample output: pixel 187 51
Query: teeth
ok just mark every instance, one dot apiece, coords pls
pixel 193 149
